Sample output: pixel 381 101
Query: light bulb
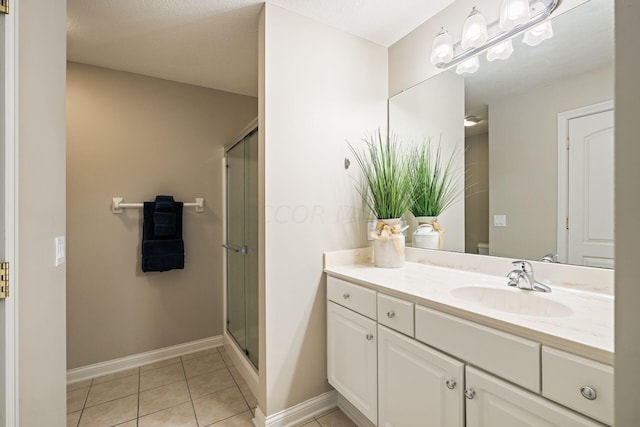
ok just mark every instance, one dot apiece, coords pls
pixel 539 33
pixel 469 66
pixel 474 31
pixel 442 50
pixel 500 51
pixel 514 13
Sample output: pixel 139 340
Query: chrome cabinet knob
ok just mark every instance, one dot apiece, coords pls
pixel 451 384
pixel 369 337
pixel 470 393
pixel 345 296
pixel 588 392
pixel 391 314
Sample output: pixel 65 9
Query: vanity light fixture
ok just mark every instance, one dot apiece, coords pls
pixel 515 15
pixel 474 31
pixel 500 51
pixel 469 66
pixel 442 50
pixel 539 33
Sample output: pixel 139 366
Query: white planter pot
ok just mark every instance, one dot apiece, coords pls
pixel 388 246
pixel 426 235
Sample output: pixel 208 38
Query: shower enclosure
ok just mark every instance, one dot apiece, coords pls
pixel 242 244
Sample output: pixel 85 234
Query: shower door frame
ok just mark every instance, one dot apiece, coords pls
pixel 245 367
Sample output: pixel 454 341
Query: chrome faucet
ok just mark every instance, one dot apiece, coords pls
pixel 522 277
pixel 550 257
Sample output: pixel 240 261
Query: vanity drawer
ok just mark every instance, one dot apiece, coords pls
pixel 508 356
pixel 396 314
pixel 354 297
pixel 565 377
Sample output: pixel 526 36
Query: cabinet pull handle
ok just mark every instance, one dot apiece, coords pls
pixel 588 392
pixel 391 314
pixel 451 384
pixel 470 393
pixel 345 296
pixel 369 337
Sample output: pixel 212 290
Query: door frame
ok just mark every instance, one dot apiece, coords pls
pixel 563 169
pixel 10 214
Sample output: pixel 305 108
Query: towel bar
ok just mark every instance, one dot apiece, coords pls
pixel 118 205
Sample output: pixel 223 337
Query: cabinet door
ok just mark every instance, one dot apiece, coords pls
pixel 352 358
pixel 492 402
pixel 412 384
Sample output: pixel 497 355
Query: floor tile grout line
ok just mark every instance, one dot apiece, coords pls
pixel 193 406
pixel 224 419
pixel 139 386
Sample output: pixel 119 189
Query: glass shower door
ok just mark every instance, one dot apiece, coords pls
pixel 242 245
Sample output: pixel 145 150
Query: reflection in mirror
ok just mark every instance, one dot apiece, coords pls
pixel 527 194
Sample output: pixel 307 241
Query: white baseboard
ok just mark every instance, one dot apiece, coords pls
pixel 353 413
pixel 298 414
pixel 242 364
pixel 133 361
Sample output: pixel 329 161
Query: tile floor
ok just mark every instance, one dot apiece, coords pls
pixel 198 389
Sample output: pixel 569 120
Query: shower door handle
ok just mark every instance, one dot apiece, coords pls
pixel 242 250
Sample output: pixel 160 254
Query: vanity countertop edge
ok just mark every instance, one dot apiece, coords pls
pixel 587 333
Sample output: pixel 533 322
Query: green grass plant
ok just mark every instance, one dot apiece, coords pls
pixel 386 188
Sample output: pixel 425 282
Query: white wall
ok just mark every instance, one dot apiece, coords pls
pixel 414 116
pixel 525 126
pixel 41 211
pixel 321 87
pixel 627 105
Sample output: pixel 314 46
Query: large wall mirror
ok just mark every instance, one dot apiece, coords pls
pixel 527 195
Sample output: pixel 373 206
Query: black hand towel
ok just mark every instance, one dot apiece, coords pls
pixel 162 244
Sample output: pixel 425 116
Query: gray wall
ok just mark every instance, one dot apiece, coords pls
pixel 526 125
pixel 476 207
pixel 40 286
pixel 627 236
pixel 135 137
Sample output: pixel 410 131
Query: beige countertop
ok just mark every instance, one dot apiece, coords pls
pixel 583 325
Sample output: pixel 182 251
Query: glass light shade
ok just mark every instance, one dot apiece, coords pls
pixel 442 50
pixel 538 34
pixel 500 51
pixel 514 13
pixel 469 66
pixel 474 31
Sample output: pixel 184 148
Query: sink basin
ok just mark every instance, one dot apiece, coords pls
pixel 513 300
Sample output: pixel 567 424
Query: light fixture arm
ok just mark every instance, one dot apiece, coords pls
pixel 499 38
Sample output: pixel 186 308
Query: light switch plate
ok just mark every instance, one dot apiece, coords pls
pixel 61 249
pixel 499 220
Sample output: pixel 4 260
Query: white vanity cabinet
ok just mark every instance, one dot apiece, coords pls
pixel 496 403
pixel 416 382
pixel 352 354
pixel 402 364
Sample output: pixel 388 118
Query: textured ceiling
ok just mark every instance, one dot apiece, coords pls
pixel 214 43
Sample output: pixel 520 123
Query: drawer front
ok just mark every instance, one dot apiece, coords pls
pixel 354 297
pixel 396 314
pixel 565 377
pixel 513 358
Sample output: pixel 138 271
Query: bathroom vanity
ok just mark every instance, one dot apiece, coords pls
pixel 428 344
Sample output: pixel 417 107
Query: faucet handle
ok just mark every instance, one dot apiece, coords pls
pixel 525 266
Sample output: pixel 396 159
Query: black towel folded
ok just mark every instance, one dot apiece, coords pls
pixel 162 244
pixel 164 223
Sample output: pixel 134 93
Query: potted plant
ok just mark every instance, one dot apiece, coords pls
pixel 386 190
pixel 435 187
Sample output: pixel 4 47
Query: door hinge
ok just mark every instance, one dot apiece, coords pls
pixel 568 143
pixel 567 225
pixel 4 280
pixel 4 6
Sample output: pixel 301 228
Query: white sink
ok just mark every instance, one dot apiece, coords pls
pixel 513 300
